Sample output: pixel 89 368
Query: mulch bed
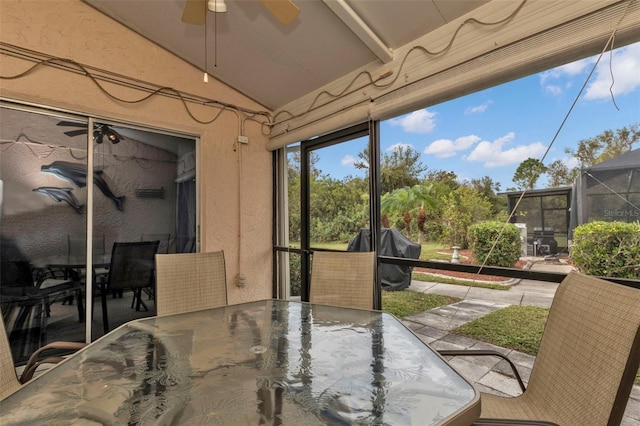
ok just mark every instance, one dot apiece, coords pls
pixel 467 258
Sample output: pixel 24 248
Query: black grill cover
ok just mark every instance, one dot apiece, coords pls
pixel 392 243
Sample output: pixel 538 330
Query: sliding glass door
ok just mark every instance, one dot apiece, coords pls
pixel 142 187
pixel 328 203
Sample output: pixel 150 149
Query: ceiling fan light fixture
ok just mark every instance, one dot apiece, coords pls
pixel 112 136
pixel 217 6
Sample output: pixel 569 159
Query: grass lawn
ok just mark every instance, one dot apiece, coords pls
pixel 514 327
pixel 420 276
pixel 430 251
pixel 405 302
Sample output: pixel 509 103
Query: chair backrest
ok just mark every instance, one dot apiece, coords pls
pixel 8 379
pixel 165 241
pixel 343 279
pixel 132 264
pixel 188 282
pixel 589 353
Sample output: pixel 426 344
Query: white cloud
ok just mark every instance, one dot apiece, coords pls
pixel 348 160
pixel 553 89
pixel 421 121
pixel 445 148
pixel 478 108
pixel 494 154
pixel 571 162
pixel 399 145
pixel 625 67
pixel 568 70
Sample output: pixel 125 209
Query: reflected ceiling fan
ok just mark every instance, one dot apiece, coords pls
pixel 101 132
pixel 195 11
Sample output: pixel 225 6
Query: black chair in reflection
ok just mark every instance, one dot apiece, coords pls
pixel 26 295
pixel 163 248
pixel 165 241
pixel 132 267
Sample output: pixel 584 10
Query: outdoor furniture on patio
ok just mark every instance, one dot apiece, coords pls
pixel 132 267
pixel 25 304
pixel 392 243
pixel 9 381
pixel 343 279
pixel 264 362
pixel 587 361
pixel 188 282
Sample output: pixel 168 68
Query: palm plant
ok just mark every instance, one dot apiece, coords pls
pixel 406 201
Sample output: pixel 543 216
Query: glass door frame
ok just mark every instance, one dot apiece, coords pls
pixel 371 129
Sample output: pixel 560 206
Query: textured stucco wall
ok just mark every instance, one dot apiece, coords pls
pixel 71 29
pixel 39 225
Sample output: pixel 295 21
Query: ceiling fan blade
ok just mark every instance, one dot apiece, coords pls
pixel 72 133
pixel 284 11
pixel 195 12
pixel 71 124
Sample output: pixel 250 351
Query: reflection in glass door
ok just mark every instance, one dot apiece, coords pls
pixel 44 219
pixel 144 189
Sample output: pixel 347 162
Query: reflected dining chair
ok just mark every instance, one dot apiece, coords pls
pixel 26 303
pixel 163 248
pixel 9 381
pixel 165 241
pixel 132 267
pixel 343 279
pixel 188 282
pixel 587 360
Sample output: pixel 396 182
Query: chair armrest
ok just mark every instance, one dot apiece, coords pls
pixel 33 363
pixel 512 422
pixel 483 352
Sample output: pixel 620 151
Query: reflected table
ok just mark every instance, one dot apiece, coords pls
pixel 266 362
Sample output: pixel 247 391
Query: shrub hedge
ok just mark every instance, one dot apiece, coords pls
pixel 506 251
pixel 607 249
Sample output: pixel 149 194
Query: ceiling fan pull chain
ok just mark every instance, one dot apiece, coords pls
pixel 206 75
pixel 215 40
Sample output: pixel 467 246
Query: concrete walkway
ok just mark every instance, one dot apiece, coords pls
pixel 490 374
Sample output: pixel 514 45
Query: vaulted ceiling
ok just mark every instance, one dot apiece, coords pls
pixel 342 62
pixel 273 63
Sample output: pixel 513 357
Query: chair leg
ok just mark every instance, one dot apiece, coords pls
pixel 137 299
pixel 80 305
pixel 105 317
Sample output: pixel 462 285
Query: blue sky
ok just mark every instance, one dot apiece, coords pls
pixel 489 133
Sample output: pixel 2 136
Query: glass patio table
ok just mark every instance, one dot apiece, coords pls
pixel 264 362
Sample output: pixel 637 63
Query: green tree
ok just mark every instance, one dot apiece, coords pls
pixel 462 208
pixel 560 175
pixel 293 176
pixel 448 178
pixel 338 208
pixel 399 168
pixel 528 173
pixel 489 189
pixel 408 201
pixel 605 146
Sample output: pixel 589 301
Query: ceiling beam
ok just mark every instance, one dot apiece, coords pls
pixel 353 21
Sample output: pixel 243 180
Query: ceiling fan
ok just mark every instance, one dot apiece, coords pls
pixel 101 132
pixel 195 11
